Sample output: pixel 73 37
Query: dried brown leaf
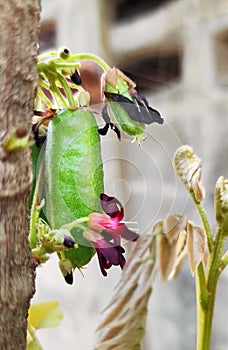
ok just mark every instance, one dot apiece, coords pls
pixel 167 255
pixel 196 244
pixel 173 225
pixel 181 253
pixel 197 186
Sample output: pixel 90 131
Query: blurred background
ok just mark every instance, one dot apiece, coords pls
pixel 177 53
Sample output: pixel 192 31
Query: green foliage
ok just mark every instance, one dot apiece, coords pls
pixel 42 315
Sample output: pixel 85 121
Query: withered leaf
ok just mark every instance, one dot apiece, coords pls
pixel 173 225
pixel 196 245
pixel 167 255
pixel 181 253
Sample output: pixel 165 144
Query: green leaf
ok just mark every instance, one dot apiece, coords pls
pixel 45 315
pixel 80 256
pixel 34 345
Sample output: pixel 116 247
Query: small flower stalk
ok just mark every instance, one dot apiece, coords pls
pixel 50 241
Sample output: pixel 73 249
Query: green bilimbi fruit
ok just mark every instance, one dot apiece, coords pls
pixel 73 178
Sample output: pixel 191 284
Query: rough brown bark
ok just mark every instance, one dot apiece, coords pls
pixel 19 21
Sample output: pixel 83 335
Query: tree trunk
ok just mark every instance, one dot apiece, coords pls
pixel 19 22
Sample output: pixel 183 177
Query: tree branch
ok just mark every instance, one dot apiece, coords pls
pixel 18 41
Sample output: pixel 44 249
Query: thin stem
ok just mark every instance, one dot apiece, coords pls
pixel 71 85
pixel 78 57
pixel 76 223
pixel 67 90
pixel 224 261
pixel 203 293
pixel 44 84
pixel 206 225
pixel 47 55
pixel 65 64
pixel 205 315
pixel 35 211
pixel 88 56
pixel 59 99
pixel 200 313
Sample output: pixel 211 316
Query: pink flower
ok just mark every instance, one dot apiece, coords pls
pixel 107 241
pixel 110 222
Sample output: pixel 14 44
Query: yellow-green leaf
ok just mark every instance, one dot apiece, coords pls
pixel 32 341
pixel 34 345
pixel 45 315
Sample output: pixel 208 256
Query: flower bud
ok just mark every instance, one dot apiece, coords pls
pixel 188 166
pixel 64 53
pixel 66 269
pixel 221 203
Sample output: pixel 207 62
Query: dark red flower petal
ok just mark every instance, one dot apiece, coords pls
pixel 104 264
pixel 127 234
pixel 122 260
pixel 110 256
pixel 112 207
